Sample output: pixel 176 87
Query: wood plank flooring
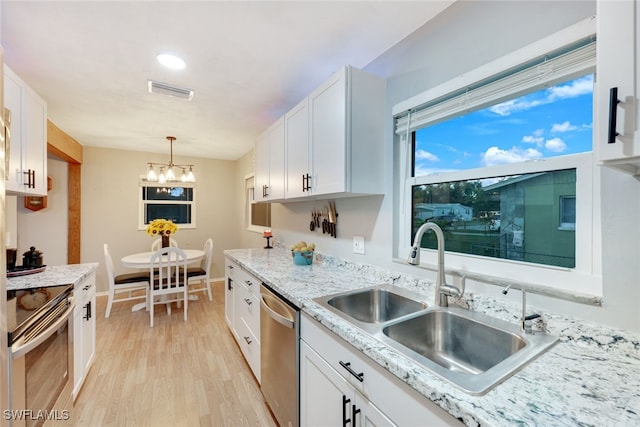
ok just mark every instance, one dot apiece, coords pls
pixel 174 374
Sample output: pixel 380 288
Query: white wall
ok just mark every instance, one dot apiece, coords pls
pixel 463 37
pixel 110 207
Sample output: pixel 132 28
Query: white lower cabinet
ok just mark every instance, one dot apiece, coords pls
pixel 242 313
pixel 326 398
pixel 341 386
pixel 84 331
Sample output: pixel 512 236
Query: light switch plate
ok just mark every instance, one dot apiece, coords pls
pixel 358 245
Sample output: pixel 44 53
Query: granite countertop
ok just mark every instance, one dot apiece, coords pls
pixel 591 377
pixel 53 275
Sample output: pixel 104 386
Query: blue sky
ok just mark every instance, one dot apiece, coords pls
pixel 551 122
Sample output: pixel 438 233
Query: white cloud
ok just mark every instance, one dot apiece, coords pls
pixel 556 145
pixel 496 156
pixel 577 87
pixel 562 127
pixel 425 155
pixel 530 139
pixel 514 105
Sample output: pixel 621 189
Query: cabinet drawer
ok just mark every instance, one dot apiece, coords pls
pixel 249 281
pixel 248 306
pixel 250 347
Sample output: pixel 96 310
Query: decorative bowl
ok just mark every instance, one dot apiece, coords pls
pixel 302 258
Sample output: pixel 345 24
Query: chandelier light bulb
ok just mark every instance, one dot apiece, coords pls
pixel 170 175
pixel 190 176
pixel 162 178
pixel 151 174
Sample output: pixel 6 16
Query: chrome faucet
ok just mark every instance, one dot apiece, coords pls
pixel 524 319
pixel 443 291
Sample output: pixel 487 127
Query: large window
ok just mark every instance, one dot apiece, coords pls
pixel 501 159
pixel 510 217
pixel 176 203
pixel 257 215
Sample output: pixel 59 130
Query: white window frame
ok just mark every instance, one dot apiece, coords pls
pixel 586 277
pixel 249 199
pixel 141 202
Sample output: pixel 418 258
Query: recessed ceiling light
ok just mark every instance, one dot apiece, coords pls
pixel 171 61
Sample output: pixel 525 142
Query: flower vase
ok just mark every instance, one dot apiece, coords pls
pixel 165 241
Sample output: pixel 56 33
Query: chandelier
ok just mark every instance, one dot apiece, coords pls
pixel 166 170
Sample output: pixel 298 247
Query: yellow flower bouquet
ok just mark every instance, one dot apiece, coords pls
pixel 161 227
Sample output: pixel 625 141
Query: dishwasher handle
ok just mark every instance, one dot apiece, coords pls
pixel 284 318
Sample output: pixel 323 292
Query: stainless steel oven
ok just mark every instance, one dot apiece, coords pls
pixel 40 357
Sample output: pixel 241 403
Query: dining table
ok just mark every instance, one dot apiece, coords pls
pixel 142 260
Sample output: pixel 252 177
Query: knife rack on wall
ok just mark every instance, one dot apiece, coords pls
pixel 325 219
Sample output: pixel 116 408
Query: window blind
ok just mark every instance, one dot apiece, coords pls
pixel 571 62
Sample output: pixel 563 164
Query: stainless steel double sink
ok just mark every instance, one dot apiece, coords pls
pixel 473 351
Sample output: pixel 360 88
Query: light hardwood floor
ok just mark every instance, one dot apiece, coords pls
pixel 174 374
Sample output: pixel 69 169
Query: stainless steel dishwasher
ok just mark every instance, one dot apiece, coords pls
pixel 279 333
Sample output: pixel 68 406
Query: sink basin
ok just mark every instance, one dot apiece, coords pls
pixel 455 342
pixel 375 305
pixel 474 351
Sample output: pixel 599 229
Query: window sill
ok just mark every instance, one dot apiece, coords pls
pixel 533 288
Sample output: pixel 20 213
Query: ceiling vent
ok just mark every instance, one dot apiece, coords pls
pixel 169 90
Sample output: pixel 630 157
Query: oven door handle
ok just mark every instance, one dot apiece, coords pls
pixel 16 352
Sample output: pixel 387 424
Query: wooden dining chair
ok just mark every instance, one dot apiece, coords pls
pixel 199 279
pixel 157 244
pixel 128 283
pixel 168 273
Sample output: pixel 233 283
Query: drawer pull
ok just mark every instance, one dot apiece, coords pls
pixel 248 301
pixel 248 282
pixel 347 366
pixel 248 340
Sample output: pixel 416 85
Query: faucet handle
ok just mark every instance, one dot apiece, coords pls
pixel 527 325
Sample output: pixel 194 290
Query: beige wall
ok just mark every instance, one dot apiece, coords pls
pixel 110 207
pixel 46 229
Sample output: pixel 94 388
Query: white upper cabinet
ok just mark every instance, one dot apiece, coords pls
pixel 296 124
pixel 269 164
pixel 27 171
pixel 616 141
pixel 334 138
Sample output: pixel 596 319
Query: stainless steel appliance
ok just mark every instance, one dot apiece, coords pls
pixel 40 354
pixel 279 356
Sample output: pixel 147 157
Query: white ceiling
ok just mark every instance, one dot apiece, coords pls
pixel 248 62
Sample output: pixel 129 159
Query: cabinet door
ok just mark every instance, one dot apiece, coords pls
pixel 325 396
pixel 228 301
pixel 261 165
pixel 35 141
pixel 13 101
pixel 276 160
pixel 78 364
pixel 89 333
pixel 296 123
pixel 368 415
pixel 328 121
pixel 616 69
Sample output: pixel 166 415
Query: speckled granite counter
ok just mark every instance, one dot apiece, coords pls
pixel 52 276
pixel 591 377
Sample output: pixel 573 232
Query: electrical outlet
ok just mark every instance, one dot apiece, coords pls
pixel 358 245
